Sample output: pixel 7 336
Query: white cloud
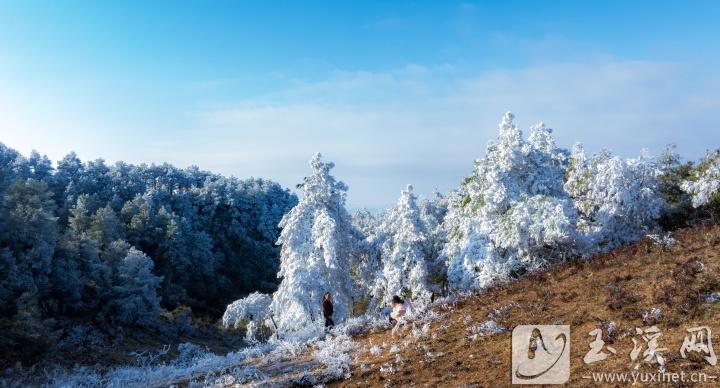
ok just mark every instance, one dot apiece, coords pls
pixel 419 125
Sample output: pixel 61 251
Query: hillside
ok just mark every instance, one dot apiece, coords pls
pixel 466 340
pixel 460 348
pixel 619 286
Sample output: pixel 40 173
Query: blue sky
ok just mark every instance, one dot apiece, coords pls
pixel 393 92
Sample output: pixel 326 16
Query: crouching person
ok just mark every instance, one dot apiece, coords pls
pixel 400 309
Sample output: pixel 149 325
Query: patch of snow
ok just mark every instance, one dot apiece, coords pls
pixel 653 316
pixel 332 353
pixel 713 297
pixel 663 240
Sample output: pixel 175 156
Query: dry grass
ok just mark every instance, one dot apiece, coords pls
pixel 618 286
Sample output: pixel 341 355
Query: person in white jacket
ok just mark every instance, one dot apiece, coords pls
pixel 400 309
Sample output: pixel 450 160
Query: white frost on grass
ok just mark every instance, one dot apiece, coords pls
pixel 653 316
pixel 157 374
pixel 662 240
pixel 713 297
pixel 332 354
pixel 196 367
pixel 485 328
pixel 489 327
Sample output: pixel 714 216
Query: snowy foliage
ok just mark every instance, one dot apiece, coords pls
pixel 84 239
pixel 367 222
pixel 332 354
pixel 368 251
pixel 194 366
pixel 114 242
pixel 711 297
pixel 662 240
pixel 254 307
pixel 383 230
pixel 433 211
pixel 318 247
pixel 529 203
pixel 148 371
pixel 512 212
pixel 189 353
pixel 136 301
pixel 354 326
pixel 618 199
pixel 404 250
pixel 253 310
pixel 706 182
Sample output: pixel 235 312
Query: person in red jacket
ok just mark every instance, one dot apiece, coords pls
pixel 327 307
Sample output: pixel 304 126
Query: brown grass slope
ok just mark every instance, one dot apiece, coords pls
pixel 617 286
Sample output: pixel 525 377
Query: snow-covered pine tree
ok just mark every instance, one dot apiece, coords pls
pixel 368 256
pixel 618 200
pixel 27 242
pixel 512 214
pixel 529 203
pixel 704 184
pixel 317 252
pixel 433 211
pixel 404 271
pixel 135 300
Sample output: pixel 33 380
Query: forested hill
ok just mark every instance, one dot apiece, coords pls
pixel 118 243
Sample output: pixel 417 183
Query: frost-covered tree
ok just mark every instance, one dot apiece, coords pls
pixel 368 253
pixel 512 214
pixel 135 300
pixel 619 200
pixel 433 211
pixel 404 249
pixel 367 222
pixel 318 244
pixel 679 211
pixel 253 310
pixel 530 203
pixel 704 184
pixel 40 166
pixel 27 241
pixel 105 226
pixel 65 233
